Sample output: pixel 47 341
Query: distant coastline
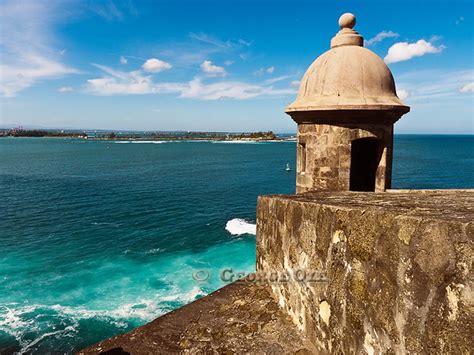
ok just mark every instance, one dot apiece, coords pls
pixel 138 136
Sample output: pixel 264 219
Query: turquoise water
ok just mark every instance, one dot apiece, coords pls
pixel 99 237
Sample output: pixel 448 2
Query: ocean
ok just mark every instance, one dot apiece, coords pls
pixel 99 237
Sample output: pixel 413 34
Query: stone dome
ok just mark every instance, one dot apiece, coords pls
pixel 347 77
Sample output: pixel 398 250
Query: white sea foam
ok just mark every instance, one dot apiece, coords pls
pixel 10 318
pixel 20 322
pixel 28 345
pixel 106 224
pixel 140 142
pixel 148 142
pixel 239 226
pixel 14 321
pixel 184 298
pixel 237 142
pixel 143 309
pixel 153 251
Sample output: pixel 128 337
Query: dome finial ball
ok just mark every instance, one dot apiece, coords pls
pixel 347 20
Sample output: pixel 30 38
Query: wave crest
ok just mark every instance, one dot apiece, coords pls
pixel 239 226
pixel 32 325
pixel 139 142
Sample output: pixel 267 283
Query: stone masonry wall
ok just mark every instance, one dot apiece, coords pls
pixel 327 153
pixel 399 269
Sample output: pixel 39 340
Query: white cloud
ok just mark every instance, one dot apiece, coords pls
pixel 428 85
pixel 228 90
pixel 112 10
pixel 26 52
pixel 202 37
pixel 123 60
pixel 402 51
pixel 197 48
pixel 277 79
pixel 212 70
pixel 29 70
pixel 295 83
pixel 154 65
pixel 403 94
pixel 380 37
pixel 263 71
pixel 244 42
pixel 120 83
pixel 107 10
pixel 467 88
pixel 227 45
pixel 116 82
pixel 132 85
pixel 66 89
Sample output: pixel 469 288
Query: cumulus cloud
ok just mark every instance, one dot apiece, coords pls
pixel 467 88
pixel 123 60
pixel 27 56
pixel 403 94
pixel 154 65
pixel 115 82
pixel 66 89
pixel 402 51
pixel 380 37
pixel 120 83
pixel 212 70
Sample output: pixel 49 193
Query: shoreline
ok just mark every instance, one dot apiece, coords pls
pixel 169 138
pixel 151 136
pixel 163 139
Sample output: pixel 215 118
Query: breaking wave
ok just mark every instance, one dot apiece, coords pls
pixel 239 226
pixel 30 327
pixel 139 142
pixel 238 142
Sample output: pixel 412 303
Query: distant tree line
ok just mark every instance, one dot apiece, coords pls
pixel 41 133
pixel 19 132
pixel 258 135
pixel 189 135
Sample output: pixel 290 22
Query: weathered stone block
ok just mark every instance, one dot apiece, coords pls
pixel 398 268
pixel 326 150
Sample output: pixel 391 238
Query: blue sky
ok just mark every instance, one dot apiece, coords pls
pixel 220 65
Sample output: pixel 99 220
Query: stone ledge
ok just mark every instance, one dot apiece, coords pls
pixel 436 204
pixel 398 266
pixel 240 318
